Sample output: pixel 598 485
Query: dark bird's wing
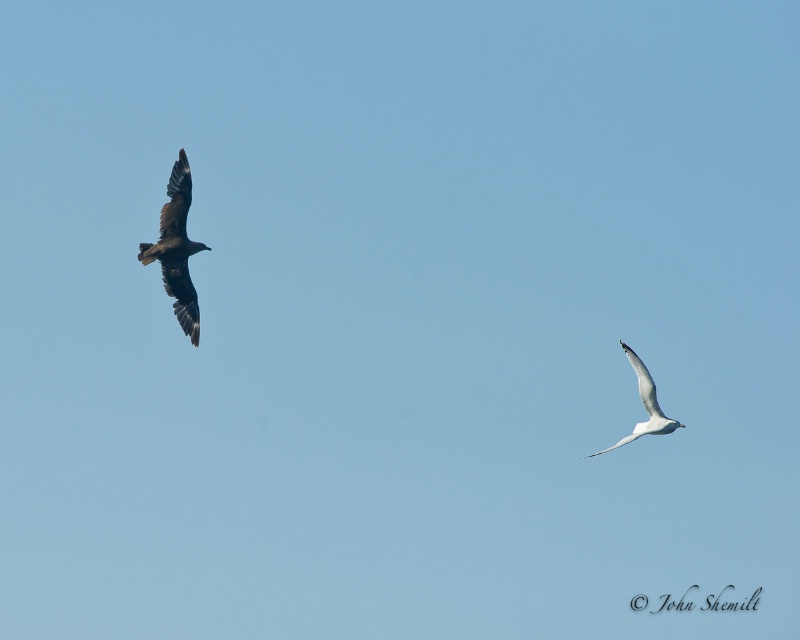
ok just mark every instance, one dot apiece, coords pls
pixel 647 388
pixel 175 212
pixel 179 285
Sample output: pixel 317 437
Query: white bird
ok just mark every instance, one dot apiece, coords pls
pixel 659 424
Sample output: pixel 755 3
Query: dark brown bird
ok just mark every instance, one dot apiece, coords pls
pixel 174 248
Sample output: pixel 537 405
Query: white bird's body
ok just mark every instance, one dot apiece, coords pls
pixel 659 424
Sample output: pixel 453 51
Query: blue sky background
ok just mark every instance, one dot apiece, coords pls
pixel 431 224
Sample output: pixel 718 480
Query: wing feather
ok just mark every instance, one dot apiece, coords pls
pixel 622 442
pixel 179 189
pixel 647 387
pixel 178 284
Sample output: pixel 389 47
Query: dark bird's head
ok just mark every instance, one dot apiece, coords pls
pixel 197 247
pixel 681 425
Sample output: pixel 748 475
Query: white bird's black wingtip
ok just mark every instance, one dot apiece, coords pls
pixel 627 349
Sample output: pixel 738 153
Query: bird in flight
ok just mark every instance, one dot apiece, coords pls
pixel 659 424
pixel 174 248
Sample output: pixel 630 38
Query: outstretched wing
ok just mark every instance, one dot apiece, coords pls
pixel 624 441
pixel 175 212
pixel 179 285
pixel 647 388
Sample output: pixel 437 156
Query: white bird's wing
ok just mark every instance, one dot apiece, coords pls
pixel 625 440
pixel 647 388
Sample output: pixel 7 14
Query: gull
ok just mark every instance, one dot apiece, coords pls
pixel 174 248
pixel 658 424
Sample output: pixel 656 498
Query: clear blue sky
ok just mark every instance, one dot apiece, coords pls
pixel 431 224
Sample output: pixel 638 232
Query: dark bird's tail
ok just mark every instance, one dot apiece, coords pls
pixel 143 249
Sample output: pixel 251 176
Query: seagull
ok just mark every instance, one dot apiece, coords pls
pixel 174 248
pixel 659 424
